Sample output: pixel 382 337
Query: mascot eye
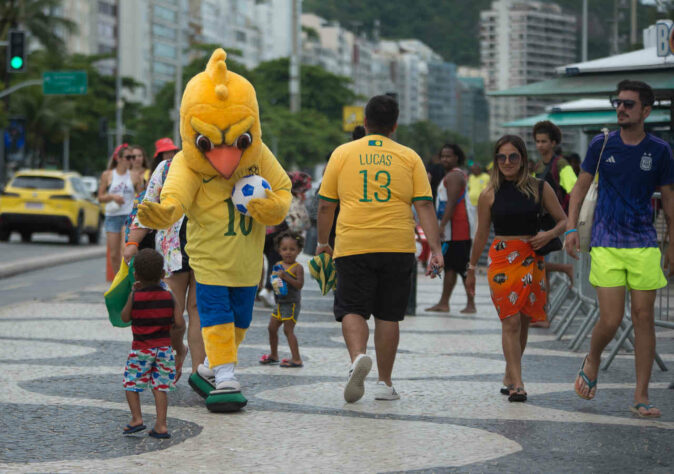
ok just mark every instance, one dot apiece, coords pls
pixel 203 143
pixel 244 141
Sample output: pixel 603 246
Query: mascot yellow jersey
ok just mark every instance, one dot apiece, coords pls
pixel 221 136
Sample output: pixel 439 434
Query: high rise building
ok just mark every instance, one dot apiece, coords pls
pixel 521 42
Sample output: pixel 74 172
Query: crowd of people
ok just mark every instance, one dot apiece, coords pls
pixel 373 194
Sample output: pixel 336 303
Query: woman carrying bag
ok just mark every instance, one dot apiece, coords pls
pixel 516 273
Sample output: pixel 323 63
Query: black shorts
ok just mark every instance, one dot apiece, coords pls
pixel 376 284
pixel 457 256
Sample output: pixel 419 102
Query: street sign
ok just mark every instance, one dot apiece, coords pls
pixel 352 115
pixel 64 82
pixel 664 38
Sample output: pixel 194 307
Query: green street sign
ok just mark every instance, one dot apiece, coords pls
pixel 64 82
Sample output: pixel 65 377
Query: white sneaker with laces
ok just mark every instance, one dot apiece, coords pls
pixel 355 385
pixel 384 392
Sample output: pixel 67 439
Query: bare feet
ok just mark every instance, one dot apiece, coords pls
pixel 586 381
pixel 438 308
pixel 469 309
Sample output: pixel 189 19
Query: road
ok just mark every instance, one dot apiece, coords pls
pixel 61 363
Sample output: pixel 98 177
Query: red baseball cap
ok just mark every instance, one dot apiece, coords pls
pixel 164 144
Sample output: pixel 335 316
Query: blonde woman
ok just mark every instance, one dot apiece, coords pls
pixel 513 202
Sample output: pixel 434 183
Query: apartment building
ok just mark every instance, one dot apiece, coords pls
pixel 521 42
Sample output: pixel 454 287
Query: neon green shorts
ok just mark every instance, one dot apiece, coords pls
pixel 638 269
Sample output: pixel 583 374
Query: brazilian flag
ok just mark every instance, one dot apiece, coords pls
pixel 322 269
pixel 374 143
pixel 118 294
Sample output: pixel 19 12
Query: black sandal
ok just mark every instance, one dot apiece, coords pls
pixel 505 390
pixel 519 395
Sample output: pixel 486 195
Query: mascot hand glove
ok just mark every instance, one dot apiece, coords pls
pixel 272 209
pixel 159 215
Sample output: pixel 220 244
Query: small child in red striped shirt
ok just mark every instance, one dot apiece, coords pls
pixel 157 329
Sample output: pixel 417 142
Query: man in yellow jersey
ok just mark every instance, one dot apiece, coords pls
pixel 375 181
pixel 477 182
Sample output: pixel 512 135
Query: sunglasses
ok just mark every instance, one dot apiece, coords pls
pixel 129 157
pixel 628 104
pixel 514 158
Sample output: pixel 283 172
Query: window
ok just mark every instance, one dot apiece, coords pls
pixel 241 36
pixel 79 188
pixel 37 182
pixel 105 29
pixel 105 49
pixel 164 50
pixel 107 8
pixel 163 68
pixel 164 13
pixel 163 31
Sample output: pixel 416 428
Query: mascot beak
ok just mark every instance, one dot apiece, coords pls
pixel 224 159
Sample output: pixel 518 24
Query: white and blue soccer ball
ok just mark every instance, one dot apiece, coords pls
pixel 247 188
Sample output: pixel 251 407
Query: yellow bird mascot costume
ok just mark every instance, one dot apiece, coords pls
pixel 221 136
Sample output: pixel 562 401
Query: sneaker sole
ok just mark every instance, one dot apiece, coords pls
pixel 355 387
pixel 388 398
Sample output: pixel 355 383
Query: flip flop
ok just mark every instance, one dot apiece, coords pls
pixel 519 395
pixel 505 390
pixel 635 409
pixel 157 435
pixel 133 429
pixel 267 360
pixel 286 364
pixel 590 383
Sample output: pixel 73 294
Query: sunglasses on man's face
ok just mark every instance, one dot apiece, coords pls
pixel 514 158
pixel 627 103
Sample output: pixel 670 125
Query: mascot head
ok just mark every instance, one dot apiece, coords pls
pixel 219 120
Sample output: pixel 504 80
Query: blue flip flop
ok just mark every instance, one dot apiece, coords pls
pixel 133 429
pixel 156 434
pixel 590 383
pixel 635 409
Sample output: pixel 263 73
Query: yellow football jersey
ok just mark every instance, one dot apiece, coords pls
pixel 375 180
pixel 224 246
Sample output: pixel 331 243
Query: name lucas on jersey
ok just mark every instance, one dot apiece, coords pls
pixel 375 159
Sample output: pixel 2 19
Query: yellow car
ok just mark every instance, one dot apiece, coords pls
pixel 49 201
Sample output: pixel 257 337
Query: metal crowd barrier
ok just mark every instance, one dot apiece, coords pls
pixel 578 303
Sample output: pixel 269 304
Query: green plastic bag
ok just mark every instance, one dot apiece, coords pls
pixel 118 294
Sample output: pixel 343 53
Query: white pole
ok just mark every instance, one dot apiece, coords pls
pixel 178 85
pixel 118 81
pixel 294 86
pixel 584 41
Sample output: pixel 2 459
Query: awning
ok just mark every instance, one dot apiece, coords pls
pixel 579 119
pixel 593 84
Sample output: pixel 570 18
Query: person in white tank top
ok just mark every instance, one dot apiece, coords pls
pixel 117 189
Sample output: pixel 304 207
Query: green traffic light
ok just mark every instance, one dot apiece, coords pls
pixel 16 62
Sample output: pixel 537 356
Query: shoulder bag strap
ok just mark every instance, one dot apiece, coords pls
pixel 605 132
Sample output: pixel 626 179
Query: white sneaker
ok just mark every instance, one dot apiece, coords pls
pixel 355 385
pixel 228 386
pixel 267 297
pixel 384 392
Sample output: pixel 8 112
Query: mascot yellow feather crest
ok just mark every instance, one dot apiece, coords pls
pixel 222 142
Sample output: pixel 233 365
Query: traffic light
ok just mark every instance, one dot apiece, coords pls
pixel 16 51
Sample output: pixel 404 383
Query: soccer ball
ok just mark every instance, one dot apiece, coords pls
pixel 247 188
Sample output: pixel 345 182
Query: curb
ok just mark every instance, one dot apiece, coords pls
pixel 38 263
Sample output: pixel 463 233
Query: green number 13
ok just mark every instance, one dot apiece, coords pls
pixel 245 228
pixel 385 186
